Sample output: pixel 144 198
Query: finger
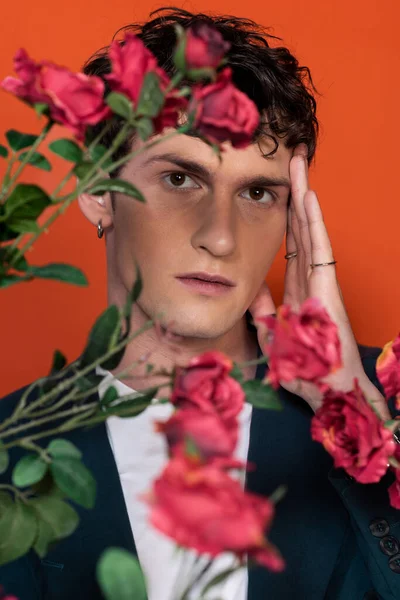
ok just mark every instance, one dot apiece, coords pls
pixel 321 249
pixel 291 245
pixel 299 179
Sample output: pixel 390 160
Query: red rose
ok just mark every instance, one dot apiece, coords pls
pixel 131 61
pixel 205 509
pixel 388 370
pixel 205 384
pixel 302 345
pixel 74 99
pixel 222 112
pixel 209 433
pixel 205 47
pixel 394 489
pixel 353 434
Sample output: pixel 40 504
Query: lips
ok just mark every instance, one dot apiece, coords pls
pixel 207 277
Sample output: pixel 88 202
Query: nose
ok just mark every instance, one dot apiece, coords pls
pixel 215 231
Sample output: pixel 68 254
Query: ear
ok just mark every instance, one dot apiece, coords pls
pixel 96 208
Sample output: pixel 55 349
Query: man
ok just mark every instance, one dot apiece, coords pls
pixel 204 242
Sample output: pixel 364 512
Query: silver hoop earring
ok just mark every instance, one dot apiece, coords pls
pixel 100 230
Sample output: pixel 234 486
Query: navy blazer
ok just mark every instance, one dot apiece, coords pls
pixel 340 539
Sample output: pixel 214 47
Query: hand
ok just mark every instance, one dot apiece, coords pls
pixel 307 235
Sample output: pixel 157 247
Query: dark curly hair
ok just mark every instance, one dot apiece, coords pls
pixel 270 76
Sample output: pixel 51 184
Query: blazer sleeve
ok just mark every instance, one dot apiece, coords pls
pixel 376 524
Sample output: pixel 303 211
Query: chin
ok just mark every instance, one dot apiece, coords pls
pixel 192 323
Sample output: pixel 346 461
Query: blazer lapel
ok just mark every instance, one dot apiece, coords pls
pixel 310 521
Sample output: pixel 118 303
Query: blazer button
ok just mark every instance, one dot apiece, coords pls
pixel 389 545
pixel 379 527
pixel 394 563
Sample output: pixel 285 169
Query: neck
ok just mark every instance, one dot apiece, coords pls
pixel 164 350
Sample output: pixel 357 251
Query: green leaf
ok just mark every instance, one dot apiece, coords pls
pixel 5 502
pixel 83 168
pixel 119 576
pixel 19 141
pixel 110 395
pixel 151 99
pixel 40 108
pixel 98 152
pixel 8 254
pixel 26 202
pixel 9 280
pixel 29 470
pixel 3 151
pixel 60 272
pixel 237 374
pixel 75 480
pixel 116 185
pixel 60 447
pixel 56 520
pixel 132 407
pixel 67 149
pixel 145 128
pixel 133 295
pixel 36 160
pixel 261 395
pixel 103 336
pixel 180 47
pixel 18 528
pixel 25 226
pixel 4 458
pixel 59 362
pixel 120 105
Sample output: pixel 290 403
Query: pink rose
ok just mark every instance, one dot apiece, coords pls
pixel 211 436
pixel 388 370
pixel 354 435
pixel 222 112
pixel 205 509
pixel 302 345
pixel 205 384
pixel 74 99
pixel 394 489
pixel 131 61
pixel 205 47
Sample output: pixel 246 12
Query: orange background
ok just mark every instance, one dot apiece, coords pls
pixel 352 49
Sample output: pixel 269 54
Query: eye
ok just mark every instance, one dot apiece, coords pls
pixel 259 195
pixel 180 180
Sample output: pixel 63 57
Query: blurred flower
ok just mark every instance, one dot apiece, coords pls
pixel 388 370
pixel 205 46
pixel 211 436
pixel 302 345
pixel 206 384
pixel 224 113
pixel 354 435
pixel 74 99
pixel 394 489
pixel 205 509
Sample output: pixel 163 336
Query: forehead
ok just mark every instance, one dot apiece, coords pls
pixel 255 158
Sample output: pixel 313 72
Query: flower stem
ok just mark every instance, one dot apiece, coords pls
pixel 26 158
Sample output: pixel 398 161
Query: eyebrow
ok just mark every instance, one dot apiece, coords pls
pixel 198 169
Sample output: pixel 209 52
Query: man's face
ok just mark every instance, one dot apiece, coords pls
pixel 201 216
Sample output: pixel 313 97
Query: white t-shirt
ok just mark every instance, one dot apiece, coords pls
pixel 140 454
